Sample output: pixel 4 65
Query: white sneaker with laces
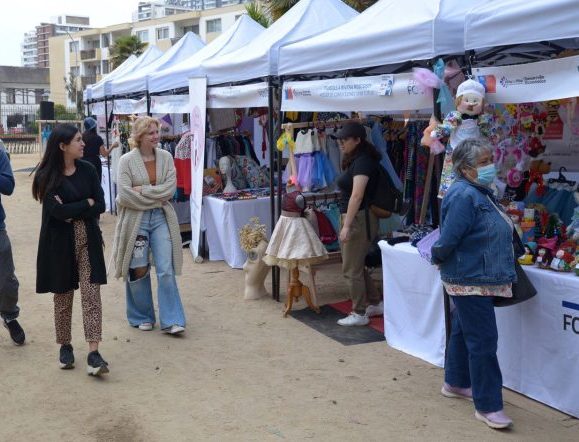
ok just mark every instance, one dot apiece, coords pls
pixel 354 319
pixel 375 310
pixel 146 326
pixel 174 330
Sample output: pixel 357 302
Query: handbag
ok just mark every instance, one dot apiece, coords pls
pixel 523 289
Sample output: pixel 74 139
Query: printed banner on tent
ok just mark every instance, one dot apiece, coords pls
pixel 376 93
pixel 198 111
pixel 248 95
pixel 128 107
pixel 97 108
pixel 170 104
pixel 531 82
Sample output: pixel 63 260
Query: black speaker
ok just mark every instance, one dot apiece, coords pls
pixel 47 110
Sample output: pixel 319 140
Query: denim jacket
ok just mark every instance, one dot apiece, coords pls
pixel 476 244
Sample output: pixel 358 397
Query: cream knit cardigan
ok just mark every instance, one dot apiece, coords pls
pixel 131 205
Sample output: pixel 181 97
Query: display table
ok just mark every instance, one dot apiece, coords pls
pixel 538 347
pixel 222 220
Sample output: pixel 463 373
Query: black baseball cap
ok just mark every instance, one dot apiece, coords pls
pixel 351 130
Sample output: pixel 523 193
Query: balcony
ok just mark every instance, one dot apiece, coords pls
pixel 90 54
pixel 85 80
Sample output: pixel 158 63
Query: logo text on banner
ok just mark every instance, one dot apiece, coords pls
pixel 531 82
pixel 375 93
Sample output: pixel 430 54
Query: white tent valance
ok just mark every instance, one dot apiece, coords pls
pixel 259 58
pixel 389 32
pixel 508 22
pixel 239 35
pixel 137 80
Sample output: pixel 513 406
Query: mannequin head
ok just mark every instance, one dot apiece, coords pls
pixel 225 169
pixel 255 271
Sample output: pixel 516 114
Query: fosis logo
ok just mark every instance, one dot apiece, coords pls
pixel 571 317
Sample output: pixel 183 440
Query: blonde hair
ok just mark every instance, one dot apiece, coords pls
pixel 140 128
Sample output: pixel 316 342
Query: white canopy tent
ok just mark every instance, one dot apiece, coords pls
pixel 259 58
pixel 237 36
pixel 95 91
pixel 150 55
pixel 387 33
pixel 509 22
pixel 137 80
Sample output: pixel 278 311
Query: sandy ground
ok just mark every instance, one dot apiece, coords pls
pixel 241 372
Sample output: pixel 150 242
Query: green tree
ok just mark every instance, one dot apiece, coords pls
pixel 277 8
pixel 124 47
pixel 73 91
pixel 62 113
pixel 257 12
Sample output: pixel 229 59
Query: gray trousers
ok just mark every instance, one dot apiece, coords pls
pixel 8 282
pixel 361 287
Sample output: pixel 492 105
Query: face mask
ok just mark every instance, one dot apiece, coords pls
pixel 486 174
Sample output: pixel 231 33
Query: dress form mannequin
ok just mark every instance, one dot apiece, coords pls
pixel 225 169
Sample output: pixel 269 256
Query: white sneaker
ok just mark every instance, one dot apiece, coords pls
pixel 354 319
pixel 174 330
pixel 146 326
pixel 375 310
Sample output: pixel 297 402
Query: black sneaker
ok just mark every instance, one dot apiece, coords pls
pixel 66 357
pixel 96 365
pixel 16 332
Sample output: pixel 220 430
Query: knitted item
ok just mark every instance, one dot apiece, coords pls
pixel 132 172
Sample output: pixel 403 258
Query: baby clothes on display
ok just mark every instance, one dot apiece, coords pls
pixel 294 242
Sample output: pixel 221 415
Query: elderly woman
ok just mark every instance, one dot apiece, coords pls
pixel 146 182
pixel 476 260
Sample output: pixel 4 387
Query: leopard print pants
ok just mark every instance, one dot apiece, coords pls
pixel 90 296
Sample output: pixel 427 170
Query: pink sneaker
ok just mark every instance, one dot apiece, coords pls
pixel 495 419
pixel 455 392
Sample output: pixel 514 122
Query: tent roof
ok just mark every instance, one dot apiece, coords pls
pixel 260 57
pixel 508 22
pixel 389 32
pixel 136 81
pixel 98 87
pixel 151 54
pixel 237 36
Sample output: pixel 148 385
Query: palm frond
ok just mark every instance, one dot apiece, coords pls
pixel 258 13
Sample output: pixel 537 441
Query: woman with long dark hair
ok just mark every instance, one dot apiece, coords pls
pixel 360 165
pixel 70 248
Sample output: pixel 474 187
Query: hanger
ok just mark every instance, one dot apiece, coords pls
pixel 561 179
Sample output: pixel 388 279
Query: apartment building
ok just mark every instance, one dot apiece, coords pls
pixel 86 53
pixel 35 50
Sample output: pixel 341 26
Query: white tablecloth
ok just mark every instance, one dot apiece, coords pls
pixel 538 347
pixel 413 303
pixel 222 220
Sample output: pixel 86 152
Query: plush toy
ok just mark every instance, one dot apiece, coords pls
pixel 468 121
pixel 529 257
pixel 562 262
pixel 543 258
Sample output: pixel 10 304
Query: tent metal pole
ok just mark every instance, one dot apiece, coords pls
pixel 274 269
pixel 149 104
pixel 108 162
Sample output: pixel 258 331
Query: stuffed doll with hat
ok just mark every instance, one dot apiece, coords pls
pixel 468 121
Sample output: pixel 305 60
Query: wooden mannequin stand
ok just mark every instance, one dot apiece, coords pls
pixel 296 290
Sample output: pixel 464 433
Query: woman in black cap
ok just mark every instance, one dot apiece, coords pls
pixel 94 145
pixel 358 183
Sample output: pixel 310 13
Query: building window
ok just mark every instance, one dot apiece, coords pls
pixel 105 69
pixel 162 33
pixel 143 36
pixel 106 41
pixel 193 28
pixel 214 25
pixel 75 70
pixel 73 46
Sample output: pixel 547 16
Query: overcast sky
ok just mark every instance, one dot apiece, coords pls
pixel 20 16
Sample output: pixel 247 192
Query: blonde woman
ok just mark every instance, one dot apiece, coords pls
pixel 146 182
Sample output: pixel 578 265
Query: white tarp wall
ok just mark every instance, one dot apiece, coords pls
pixel 259 58
pixel 239 35
pixel 137 81
pixel 389 32
pixel 507 22
pixel 373 93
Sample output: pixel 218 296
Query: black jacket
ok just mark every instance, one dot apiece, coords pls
pixel 56 267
